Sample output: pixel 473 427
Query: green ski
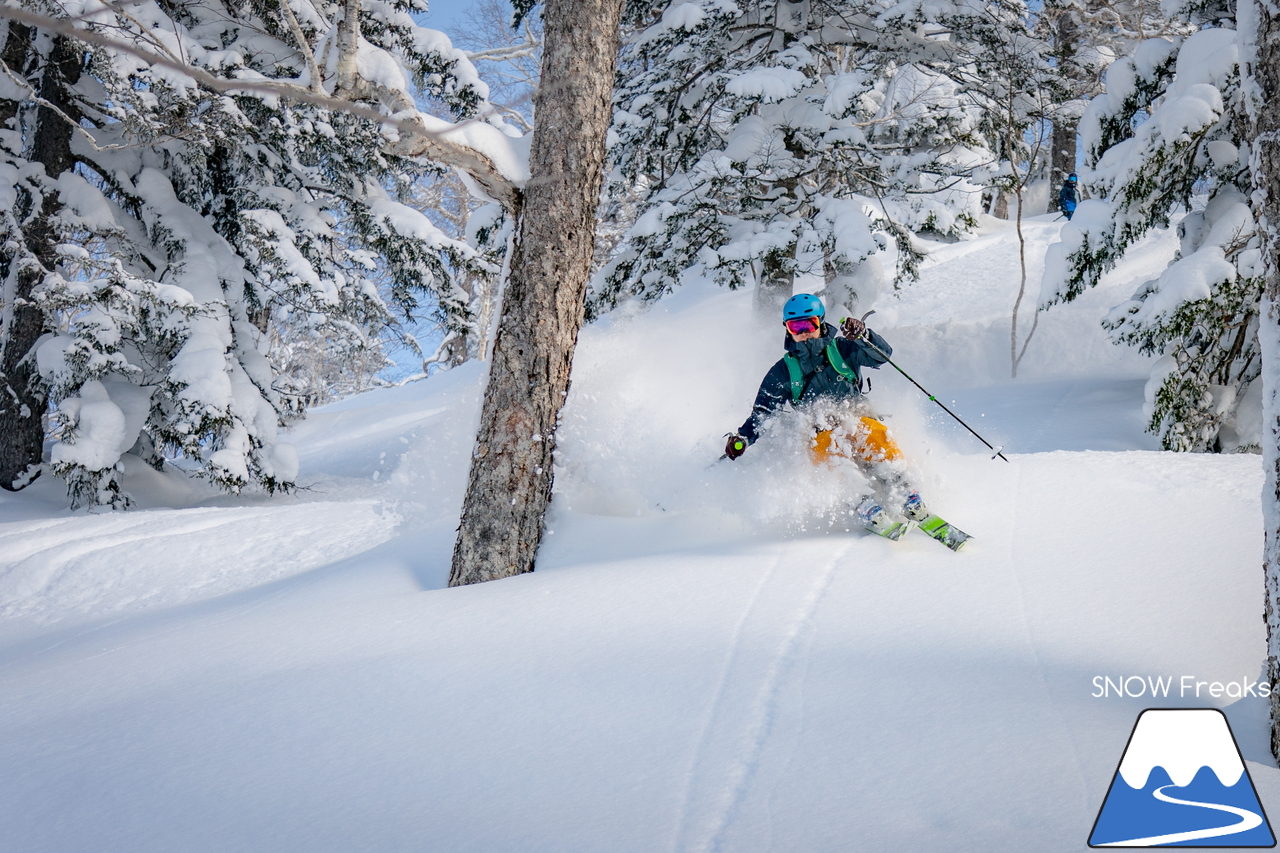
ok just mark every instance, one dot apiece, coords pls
pixel 948 534
pixel 891 530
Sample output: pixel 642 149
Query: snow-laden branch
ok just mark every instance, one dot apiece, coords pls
pixel 35 98
pixel 523 50
pixel 481 151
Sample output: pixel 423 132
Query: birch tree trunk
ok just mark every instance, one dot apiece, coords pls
pixel 22 400
pixel 1266 181
pixel 542 308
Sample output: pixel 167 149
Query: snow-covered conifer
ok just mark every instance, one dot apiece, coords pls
pixel 1086 37
pixel 180 226
pixel 1172 125
pixel 781 137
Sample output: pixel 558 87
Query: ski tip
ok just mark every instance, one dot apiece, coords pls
pixel 938 528
pixel 956 539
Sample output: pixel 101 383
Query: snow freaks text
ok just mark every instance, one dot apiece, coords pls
pixel 1183 687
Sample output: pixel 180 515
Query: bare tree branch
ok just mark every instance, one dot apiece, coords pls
pixel 497 54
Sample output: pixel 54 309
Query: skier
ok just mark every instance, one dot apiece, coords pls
pixel 1068 197
pixel 820 367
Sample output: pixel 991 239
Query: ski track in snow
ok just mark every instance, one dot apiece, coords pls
pixel 103 564
pixel 1061 723
pixel 707 817
pixel 718 701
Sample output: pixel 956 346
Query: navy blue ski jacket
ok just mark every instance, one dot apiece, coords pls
pixel 1068 198
pixel 822 380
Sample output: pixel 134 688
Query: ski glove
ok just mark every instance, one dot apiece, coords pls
pixel 853 328
pixel 735 446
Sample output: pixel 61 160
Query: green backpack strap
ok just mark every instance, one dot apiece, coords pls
pixel 837 361
pixel 797 378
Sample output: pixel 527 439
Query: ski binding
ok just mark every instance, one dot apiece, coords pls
pixel 875 519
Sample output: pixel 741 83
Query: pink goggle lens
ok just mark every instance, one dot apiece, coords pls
pixel 803 325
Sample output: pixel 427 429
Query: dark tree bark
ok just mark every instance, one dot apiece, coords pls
pixel 774 286
pixel 1063 159
pixel 1000 205
pixel 22 400
pixel 1062 156
pixel 542 309
pixel 15 51
pixel 1266 181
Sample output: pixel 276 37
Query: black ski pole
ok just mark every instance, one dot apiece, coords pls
pixel 885 356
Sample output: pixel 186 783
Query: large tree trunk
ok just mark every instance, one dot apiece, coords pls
pixel 1062 155
pixel 1266 180
pixel 1000 204
pixel 773 287
pixel 542 308
pixel 22 400
pixel 1063 159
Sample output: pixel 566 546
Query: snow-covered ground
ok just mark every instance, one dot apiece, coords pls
pixel 705 659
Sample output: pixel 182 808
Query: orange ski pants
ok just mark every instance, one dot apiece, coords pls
pixel 867 441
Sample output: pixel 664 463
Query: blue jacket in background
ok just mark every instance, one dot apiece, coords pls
pixel 1068 198
pixel 823 381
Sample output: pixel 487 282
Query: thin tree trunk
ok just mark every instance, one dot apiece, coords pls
pixel 22 400
pixel 1266 182
pixel 1014 356
pixel 542 308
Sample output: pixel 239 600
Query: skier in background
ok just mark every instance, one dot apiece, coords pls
pixel 818 368
pixel 1069 196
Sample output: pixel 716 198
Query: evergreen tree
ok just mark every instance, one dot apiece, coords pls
pixel 783 137
pixel 1171 125
pixel 1086 37
pixel 161 234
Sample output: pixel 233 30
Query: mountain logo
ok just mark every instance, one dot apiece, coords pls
pixel 1181 783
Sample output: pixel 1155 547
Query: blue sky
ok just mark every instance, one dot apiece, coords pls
pixel 442 14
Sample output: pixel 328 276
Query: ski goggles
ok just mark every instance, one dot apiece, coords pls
pixel 803 325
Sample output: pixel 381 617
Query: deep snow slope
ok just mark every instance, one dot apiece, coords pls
pixel 706 659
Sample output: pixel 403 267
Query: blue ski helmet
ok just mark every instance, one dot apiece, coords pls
pixel 803 305
pixel 1072 177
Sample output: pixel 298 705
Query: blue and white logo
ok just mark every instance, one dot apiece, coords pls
pixel 1181 783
